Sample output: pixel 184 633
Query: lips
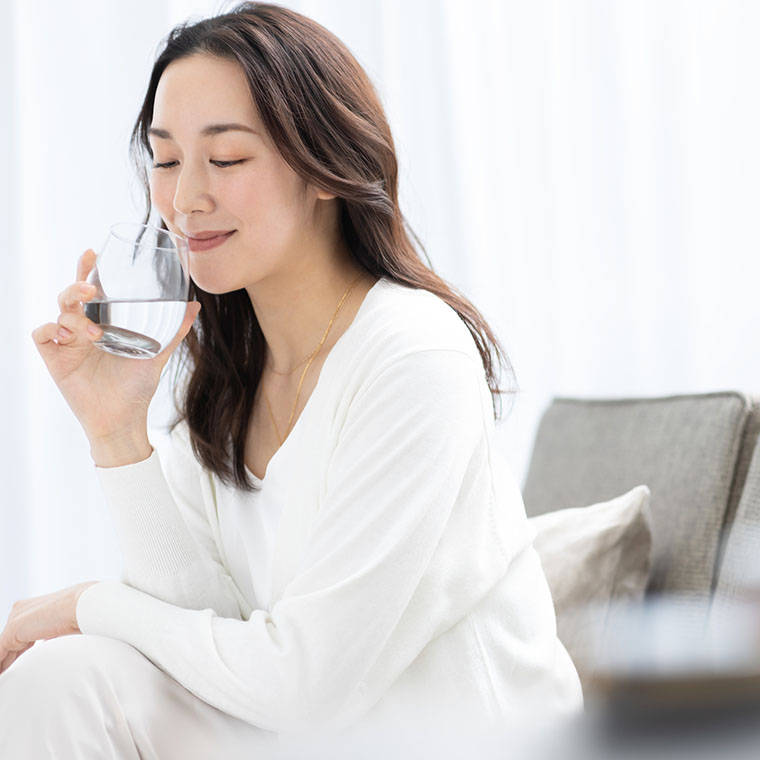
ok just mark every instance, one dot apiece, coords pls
pixel 203 241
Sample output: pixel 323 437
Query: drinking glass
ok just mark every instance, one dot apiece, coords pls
pixel 142 282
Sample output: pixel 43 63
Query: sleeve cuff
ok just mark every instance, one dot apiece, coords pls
pixel 92 602
pixel 110 608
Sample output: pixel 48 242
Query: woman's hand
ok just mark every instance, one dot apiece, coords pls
pixel 108 394
pixel 40 618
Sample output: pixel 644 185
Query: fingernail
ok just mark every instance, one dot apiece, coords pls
pixel 85 290
pixel 93 330
pixel 64 333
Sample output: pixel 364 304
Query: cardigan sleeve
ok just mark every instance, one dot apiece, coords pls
pixel 167 547
pixel 409 451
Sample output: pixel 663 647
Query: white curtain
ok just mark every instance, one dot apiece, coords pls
pixel 586 171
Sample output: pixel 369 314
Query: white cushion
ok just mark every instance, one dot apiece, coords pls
pixel 592 556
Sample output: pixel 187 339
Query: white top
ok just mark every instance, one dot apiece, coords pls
pixel 386 563
pixel 248 525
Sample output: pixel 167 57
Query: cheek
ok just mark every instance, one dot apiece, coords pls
pixel 269 205
pixel 241 195
pixel 161 195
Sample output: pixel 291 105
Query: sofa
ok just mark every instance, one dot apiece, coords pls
pixel 696 453
pixel 699 458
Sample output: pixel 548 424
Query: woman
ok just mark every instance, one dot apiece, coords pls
pixel 328 541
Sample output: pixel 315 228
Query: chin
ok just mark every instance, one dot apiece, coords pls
pixel 214 286
pixel 211 277
pixel 215 289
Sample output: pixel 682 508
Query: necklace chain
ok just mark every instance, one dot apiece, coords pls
pixel 310 359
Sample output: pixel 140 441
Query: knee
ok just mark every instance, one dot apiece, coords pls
pixel 65 694
pixel 61 667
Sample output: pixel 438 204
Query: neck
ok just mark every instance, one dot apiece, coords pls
pixel 294 308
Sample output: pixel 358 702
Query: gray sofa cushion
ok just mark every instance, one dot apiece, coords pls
pixel 740 568
pixel 685 448
pixel 746 452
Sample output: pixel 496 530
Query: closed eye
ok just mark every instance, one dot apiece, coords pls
pixel 220 164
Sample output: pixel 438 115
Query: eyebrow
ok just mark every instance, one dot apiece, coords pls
pixel 207 131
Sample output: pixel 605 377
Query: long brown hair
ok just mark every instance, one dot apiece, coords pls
pixel 325 117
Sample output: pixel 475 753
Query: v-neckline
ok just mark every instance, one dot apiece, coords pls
pixel 297 425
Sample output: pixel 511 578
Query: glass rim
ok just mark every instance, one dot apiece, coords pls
pixel 172 235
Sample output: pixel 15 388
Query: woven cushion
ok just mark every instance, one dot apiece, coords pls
pixel 739 571
pixel 743 461
pixel 683 447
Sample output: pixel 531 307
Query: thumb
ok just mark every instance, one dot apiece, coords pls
pixel 191 312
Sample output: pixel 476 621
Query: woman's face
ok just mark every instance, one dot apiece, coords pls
pixel 267 206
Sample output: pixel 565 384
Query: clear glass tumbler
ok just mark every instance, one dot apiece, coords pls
pixel 142 282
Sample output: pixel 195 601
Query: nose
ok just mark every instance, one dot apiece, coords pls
pixel 191 192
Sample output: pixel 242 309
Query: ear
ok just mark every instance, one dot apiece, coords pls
pixel 324 195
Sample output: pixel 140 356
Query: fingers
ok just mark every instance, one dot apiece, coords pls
pixel 71 330
pixel 191 312
pixel 11 657
pixel 45 339
pixel 85 264
pixel 49 337
pixel 70 299
pixel 76 329
pixel 9 649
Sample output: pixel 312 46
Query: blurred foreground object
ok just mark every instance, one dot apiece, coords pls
pixel 672 677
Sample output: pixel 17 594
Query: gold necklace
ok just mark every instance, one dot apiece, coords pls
pixel 290 371
pixel 311 359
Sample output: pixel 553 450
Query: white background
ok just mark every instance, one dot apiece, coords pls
pixel 587 172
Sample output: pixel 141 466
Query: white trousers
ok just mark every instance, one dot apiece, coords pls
pixel 83 697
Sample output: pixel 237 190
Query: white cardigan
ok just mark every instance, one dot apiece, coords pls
pixel 403 571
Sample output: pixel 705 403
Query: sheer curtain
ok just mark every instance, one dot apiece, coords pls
pixel 585 172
